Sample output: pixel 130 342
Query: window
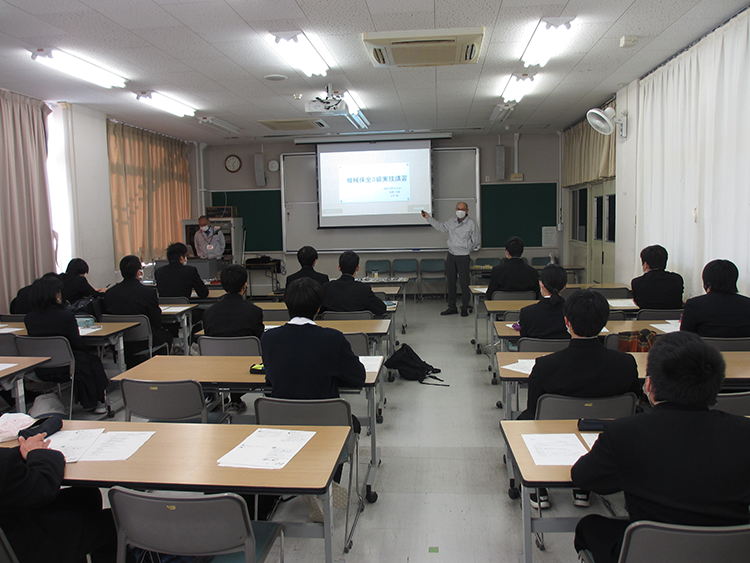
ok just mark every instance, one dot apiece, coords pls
pixel 598 217
pixel 580 214
pixel 610 219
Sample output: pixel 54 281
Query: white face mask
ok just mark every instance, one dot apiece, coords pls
pixel 204 228
pixel 460 213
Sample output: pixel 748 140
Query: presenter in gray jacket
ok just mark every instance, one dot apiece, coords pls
pixel 209 240
pixel 463 237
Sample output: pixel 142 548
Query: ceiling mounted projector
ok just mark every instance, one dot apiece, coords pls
pixel 324 107
pixel 603 121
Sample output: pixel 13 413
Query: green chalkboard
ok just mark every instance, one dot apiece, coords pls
pixel 517 209
pixel 261 216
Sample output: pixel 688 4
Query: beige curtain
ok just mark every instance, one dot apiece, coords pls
pixel 26 251
pixel 149 179
pixel 587 155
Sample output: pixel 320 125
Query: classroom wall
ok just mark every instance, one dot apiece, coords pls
pixel 627 258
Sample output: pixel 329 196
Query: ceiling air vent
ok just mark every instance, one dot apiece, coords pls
pixel 294 124
pixel 435 47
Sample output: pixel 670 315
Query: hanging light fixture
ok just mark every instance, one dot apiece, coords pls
pixel 162 102
pixel 295 48
pixel 64 62
pixel 518 86
pixel 550 39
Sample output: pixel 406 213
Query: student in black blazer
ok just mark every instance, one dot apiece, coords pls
pixel 513 274
pixel 308 258
pixel 546 318
pixel 75 284
pixel 131 297
pixel 177 279
pixel 680 464
pixel 347 294
pixel 721 312
pixel 44 523
pixel 657 288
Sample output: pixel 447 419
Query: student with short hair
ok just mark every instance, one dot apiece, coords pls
pixel 307 257
pixel 75 284
pixel 513 274
pixel 546 318
pixel 347 294
pixel 657 288
pixel 177 279
pixel 722 312
pixel 683 463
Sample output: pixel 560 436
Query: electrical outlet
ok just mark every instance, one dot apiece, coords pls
pixel 486 178
pixel 516 177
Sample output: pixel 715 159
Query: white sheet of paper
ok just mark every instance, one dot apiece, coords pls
pixel 89 330
pixel 615 303
pixel 269 327
pixel 481 289
pixel 3 325
pixel 522 366
pixel 549 236
pixel 74 443
pixel 7 366
pixel 173 308
pixel 267 448
pixel 667 326
pixel 589 438
pixel 8 330
pixel 605 329
pixel 510 325
pixel 371 363
pixel 554 449
pixel 116 446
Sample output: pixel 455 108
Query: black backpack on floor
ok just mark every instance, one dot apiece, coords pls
pixel 411 367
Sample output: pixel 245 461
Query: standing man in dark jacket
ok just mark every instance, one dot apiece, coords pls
pixel 513 274
pixel 657 288
pixel 347 294
pixel 680 464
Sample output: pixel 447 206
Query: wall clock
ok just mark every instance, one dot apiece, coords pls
pixel 232 163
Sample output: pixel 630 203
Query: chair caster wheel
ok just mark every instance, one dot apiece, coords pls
pixel 391 377
pixel 489 367
pixel 371 495
pixel 499 404
pixel 514 493
pixel 494 380
pixel 473 341
pixel 539 544
pixel 347 547
pixel 479 351
pixel 379 417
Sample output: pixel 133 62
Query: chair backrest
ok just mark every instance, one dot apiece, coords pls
pixel 558 407
pixel 432 265
pixel 359 342
pixel 229 346
pixel 540 260
pixel 318 412
pixel 616 315
pixel 163 400
pixel 8 318
pixel 513 295
pixel 659 314
pixel 134 334
pixel 542 344
pixel 512 316
pixel 733 403
pixel 57 348
pixel 654 542
pixel 6 550
pixel 182 524
pixel 8 345
pixel 612 292
pixel 404 265
pixel 382 267
pixel 347 316
pixel 174 301
pixel 612 341
pixel 276 315
pixel 729 344
pixel 488 262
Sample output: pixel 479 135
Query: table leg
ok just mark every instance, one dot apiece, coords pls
pixel 185 324
pixel 526 516
pixel 19 395
pixel 372 468
pixel 119 344
pixel 328 524
pixel 476 322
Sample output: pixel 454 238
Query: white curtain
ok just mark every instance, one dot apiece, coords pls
pixel 693 166
pixel 26 251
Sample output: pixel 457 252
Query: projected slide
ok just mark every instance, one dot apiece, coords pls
pixel 374 184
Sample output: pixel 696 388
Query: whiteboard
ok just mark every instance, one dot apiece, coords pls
pixel 455 178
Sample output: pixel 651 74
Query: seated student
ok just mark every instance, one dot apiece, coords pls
pixel 131 297
pixel 584 369
pixel 721 312
pixel 303 360
pixel 21 304
pixel 680 464
pixel 347 294
pixel 512 274
pixel 546 319
pixel 307 257
pixel 657 288
pixel 49 318
pixel 177 279
pixel 232 315
pixel 44 523
pixel 75 284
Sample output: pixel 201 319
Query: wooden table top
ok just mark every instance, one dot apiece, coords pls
pixel 518 304
pixel 106 329
pixel 504 331
pixel 22 363
pixel 165 309
pixel 183 457
pixel 530 473
pixel 213 293
pixel 215 370
pixel 483 288
pixel 375 327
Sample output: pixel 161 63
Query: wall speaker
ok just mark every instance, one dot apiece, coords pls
pixel 260 170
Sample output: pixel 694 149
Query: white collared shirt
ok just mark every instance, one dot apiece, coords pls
pixel 301 321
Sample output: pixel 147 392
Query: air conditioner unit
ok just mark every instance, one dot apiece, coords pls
pixel 434 47
pixel 328 107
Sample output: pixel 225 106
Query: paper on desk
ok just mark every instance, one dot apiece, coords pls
pixel 7 366
pixel 74 443
pixel 390 304
pixel 174 308
pixel 3 325
pixel 481 289
pixel 615 303
pixel 512 325
pixel 604 329
pixel 554 449
pixel 521 366
pixel 116 446
pixel 667 326
pixel 7 330
pixel 85 331
pixel 267 448
pixel 269 327
pixel 589 438
pixel 371 363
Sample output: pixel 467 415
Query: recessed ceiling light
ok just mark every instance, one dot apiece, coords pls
pixel 297 96
pixel 275 77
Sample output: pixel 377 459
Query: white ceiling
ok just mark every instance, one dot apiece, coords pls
pixel 211 55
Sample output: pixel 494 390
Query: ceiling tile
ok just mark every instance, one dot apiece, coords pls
pixel 404 21
pixel 212 21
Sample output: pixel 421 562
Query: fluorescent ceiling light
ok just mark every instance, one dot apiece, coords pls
pixel 297 50
pixel 62 61
pixel 355 115
pixel 160 101
pixel 518 86
pixel 502 111
pixel 219 124
pixel 550 39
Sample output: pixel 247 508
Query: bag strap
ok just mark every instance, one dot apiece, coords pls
pixel 423 382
